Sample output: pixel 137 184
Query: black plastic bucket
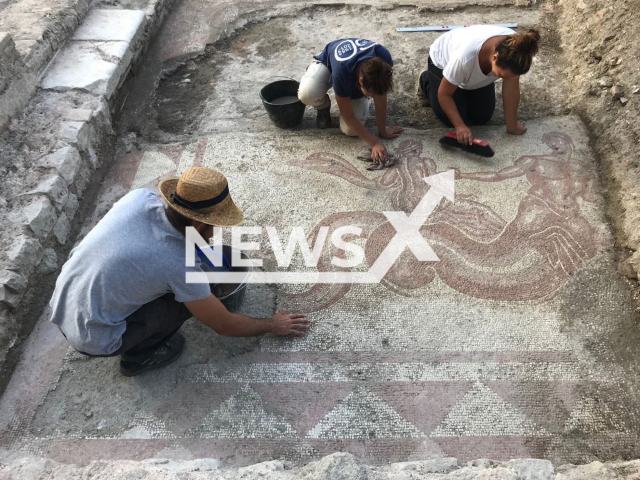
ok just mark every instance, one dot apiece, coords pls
pixel 286 115
pixel 231 295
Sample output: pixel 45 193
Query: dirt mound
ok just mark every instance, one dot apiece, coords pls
pixel 602 74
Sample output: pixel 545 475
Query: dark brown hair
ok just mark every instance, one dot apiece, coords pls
pixel 177 219
pixel 377 76
pixel 515 53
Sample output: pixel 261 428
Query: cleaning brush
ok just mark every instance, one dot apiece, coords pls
pixel 478 147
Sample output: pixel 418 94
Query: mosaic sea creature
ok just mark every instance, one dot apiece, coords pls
pixel 481 254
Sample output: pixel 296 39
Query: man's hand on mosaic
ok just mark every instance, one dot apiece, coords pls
pixel 289 324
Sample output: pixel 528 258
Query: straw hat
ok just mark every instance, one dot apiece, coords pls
pixel 202 194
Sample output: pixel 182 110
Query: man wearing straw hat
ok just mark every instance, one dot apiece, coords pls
pixel 123 289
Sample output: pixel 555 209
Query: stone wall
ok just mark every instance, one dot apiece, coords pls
pixel 53 154
pixel 33 33
pixel 41 194
pixel 338 466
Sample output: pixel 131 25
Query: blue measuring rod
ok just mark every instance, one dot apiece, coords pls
pixel 445 28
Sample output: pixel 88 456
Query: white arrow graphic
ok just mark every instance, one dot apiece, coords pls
pixel 408 227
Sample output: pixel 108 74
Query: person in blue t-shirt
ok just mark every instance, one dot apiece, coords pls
pixel 125 289
pixel 357 69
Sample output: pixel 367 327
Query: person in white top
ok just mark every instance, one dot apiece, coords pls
pixel 463 66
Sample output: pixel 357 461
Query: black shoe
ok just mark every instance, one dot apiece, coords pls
pixel 421 94
pixel 168 352
pixel 323 120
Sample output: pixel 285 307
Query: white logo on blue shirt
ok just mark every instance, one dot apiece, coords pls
pixel 347 49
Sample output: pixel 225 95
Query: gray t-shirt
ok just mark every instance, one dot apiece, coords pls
pixel 132 256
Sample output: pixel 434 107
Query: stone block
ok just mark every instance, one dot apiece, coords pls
pixel 150 10
pixel 9 298
pixel 49 262
pixel 94 159
pixel 101 118
pixel 17 82
pixel 600 471
pixel 77 134
pixel 55 188
pixel 262 470
pixel 95 67
pixel 79 115
pixel 336 466
pixel 13 280
pixel 65 161
pixel 62 228
pixel 71 207
pixel 40 216
pixel 40 28
pixel 532 469
pixel 33 53
pixel 10 62
pixel 24 254
pixel 486 473
pixel 436 465
pixel 5 42
pixel 111 25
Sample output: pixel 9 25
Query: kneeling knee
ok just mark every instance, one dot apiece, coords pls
pixel 480 119
pixel 311 100
pixel 305 98
pixel 347 130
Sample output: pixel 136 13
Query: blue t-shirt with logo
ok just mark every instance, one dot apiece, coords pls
pixel 342 58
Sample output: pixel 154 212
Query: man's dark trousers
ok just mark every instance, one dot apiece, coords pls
pixel 150 325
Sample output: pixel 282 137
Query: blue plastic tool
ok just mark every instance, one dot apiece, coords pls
pixel 226 265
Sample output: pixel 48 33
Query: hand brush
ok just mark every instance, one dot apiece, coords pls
pixel 478 147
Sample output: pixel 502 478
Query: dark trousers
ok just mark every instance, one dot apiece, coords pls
pixel 475 106
pixel 150 325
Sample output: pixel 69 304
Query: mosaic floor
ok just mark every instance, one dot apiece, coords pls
pixel 510 346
